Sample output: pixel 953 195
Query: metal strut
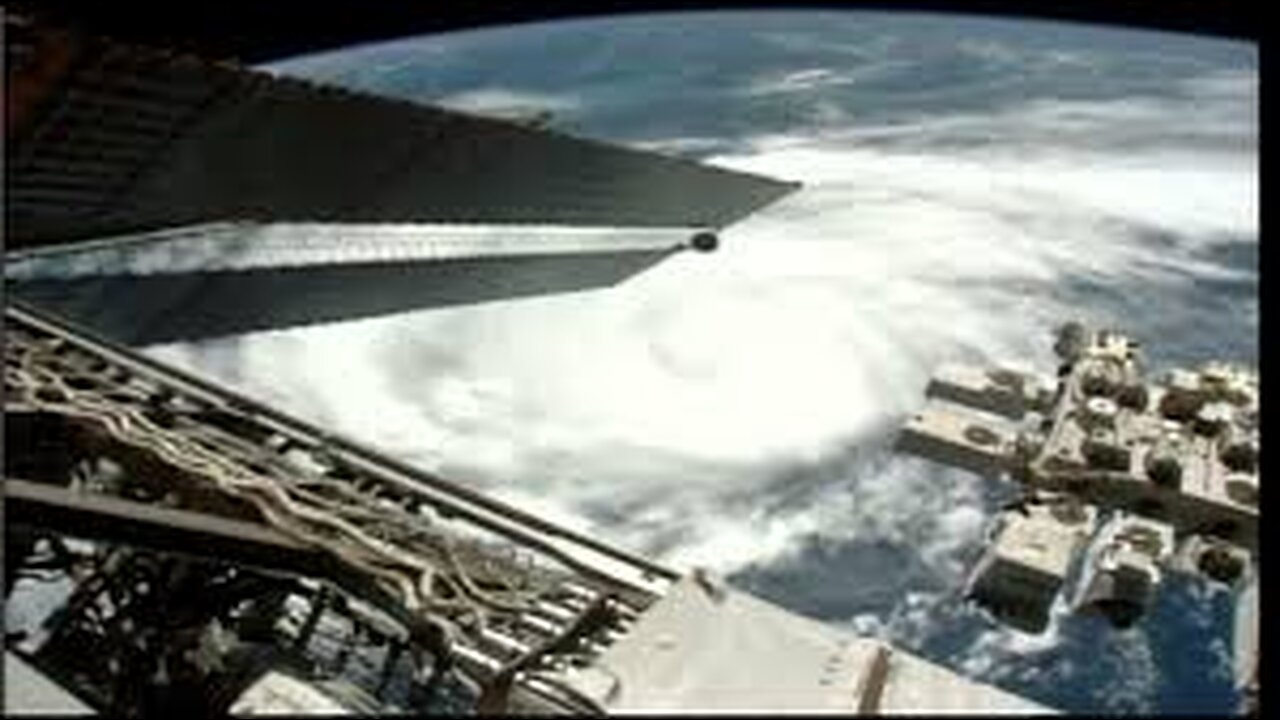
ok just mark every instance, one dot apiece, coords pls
pixel 469 577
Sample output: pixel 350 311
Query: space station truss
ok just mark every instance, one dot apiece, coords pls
pixel 153 464
pixel 221 556
pixel 106 138
pixel 1170 463
pixel 229 278
pixel 159 196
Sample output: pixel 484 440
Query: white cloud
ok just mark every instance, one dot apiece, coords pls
pixel 1133 689
pixel 790 81
pixel 705 411
pixel 812 329
pixel 508 103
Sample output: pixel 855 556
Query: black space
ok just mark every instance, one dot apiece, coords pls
pixel 256 32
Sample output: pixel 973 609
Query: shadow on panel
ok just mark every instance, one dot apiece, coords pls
pixel 162 308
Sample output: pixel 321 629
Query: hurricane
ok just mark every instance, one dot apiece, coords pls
pixel 967 185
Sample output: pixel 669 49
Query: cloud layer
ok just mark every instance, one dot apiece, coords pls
pixel 734 410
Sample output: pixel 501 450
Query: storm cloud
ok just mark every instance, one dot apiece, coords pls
pixel 735 410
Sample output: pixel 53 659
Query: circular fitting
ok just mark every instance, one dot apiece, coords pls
pixel 1212 418
pixel 1240 456
pixel 1219 563
pixel 1164 468
pixel 704 242
pixel 1133 396
pixel 1241 489
pixel 1100 412
pixel 979 435
pixel 1180 404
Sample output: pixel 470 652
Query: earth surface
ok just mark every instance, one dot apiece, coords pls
pixel 969 184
